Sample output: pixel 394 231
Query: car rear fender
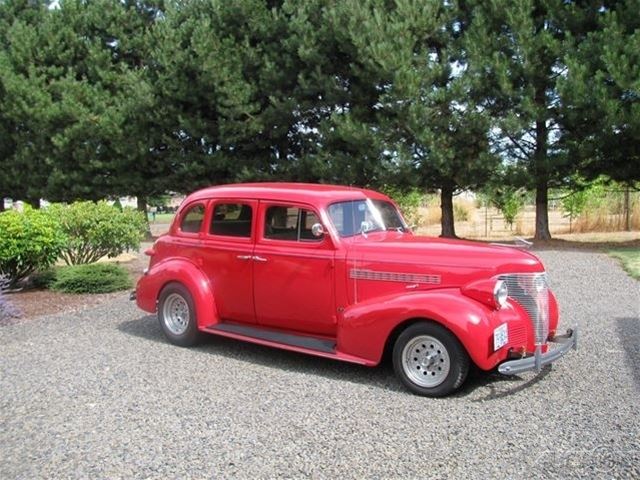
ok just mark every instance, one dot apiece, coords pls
pixel 188 274
pixel 365 327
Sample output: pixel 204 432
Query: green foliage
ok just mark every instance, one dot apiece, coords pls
pixel 100 98
pixel 95 230
pixel 159 200
pixel 509 201
pixel 91 278
pixel 30 241
pixel 42 278
pixel 586 197
pixel 409 202
pixel 630 260
pixel 602 87
pixel 517 53
pixel 573 204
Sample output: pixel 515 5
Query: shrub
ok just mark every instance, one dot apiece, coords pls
pixel 42 278
pixel 7 310
pixel 95 230
pixel 31 240
pixel 573 204
pixel 91 278
pixel 509 201
pixel 463 210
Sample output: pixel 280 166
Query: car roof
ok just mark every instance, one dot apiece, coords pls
pixel 313 193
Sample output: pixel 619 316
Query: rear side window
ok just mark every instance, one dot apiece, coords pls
pixel 231 219
pixel 192 219
pixel 290 223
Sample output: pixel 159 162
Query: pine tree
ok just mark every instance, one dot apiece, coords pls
pixel 23 103
pixel 516 54
pixel 422 120
pixel 603 89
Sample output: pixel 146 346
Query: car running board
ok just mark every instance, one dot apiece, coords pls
pixel 273 336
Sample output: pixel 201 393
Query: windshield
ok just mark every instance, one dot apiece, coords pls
pixel 363 216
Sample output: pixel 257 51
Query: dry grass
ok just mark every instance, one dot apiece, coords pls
pixel 602 220
pixel 464 210
pixel 600 237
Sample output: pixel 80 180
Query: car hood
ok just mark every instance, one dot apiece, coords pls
pixel 455 262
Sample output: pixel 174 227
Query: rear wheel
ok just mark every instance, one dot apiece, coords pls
pixel 430 360
pixel 177 315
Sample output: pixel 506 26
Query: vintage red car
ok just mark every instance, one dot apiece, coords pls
pixel 335 272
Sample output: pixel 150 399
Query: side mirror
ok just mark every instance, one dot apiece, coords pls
pixel 317 230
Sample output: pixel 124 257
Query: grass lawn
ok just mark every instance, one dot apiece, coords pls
pixel 162 218
pixel 630 260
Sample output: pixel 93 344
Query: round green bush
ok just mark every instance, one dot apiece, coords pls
pixel 96 230
pixel 91 278
pixel 30 240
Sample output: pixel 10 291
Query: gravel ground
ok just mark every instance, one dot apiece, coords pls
pixel 100 394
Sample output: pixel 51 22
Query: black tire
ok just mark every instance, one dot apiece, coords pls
pixel 435 363
pixel 183 333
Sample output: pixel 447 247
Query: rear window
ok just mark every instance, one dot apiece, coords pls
pixel 192 219
pixel 232 220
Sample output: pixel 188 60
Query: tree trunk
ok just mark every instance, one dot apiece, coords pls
pixel 34 202
pixel 446 205
pixel 1 204
pixel 627 209
pixel 541 174
pixel 142 207
pixel 542 210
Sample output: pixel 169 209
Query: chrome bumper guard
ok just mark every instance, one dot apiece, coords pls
pixel 566 342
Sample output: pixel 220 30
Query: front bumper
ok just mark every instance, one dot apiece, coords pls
pixel 565 343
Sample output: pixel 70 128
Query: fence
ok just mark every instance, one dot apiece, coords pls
pixel 612 211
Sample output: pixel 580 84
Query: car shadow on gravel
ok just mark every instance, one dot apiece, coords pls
pixel 628 330
pixel 499 385
pixel 382 377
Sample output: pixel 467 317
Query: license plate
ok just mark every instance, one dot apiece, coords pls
pixel 500 336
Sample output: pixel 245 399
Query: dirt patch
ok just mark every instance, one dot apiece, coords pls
pixel 36 303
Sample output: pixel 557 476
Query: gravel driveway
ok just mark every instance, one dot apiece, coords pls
pixel 100 394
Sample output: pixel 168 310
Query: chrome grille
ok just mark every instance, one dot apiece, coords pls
pixel 531 291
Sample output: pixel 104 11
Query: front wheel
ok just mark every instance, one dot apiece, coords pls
pixel 430 360
pixel 177 315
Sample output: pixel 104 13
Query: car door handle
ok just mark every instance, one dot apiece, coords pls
pixel 244 257
pixel 259 259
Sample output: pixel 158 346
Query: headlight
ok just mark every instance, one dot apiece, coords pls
pixel 500 293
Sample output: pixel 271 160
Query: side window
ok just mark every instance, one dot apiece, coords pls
pixel 192 219
pixel 231 219
pixel 290 223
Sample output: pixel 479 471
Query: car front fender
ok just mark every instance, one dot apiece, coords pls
pixel 365 327
pixel 188 274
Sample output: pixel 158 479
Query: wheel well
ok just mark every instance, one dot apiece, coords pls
pixel 398 329
pixel 165 285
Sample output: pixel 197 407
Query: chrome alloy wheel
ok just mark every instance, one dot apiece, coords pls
pixel 426 361
pixel 175 312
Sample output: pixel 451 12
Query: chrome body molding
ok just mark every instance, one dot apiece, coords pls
pixel 361 274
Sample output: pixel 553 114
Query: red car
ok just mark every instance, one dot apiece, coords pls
pixel 335 272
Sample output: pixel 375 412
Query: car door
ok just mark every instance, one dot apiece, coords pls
pixel 293 271
pixel 228 252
